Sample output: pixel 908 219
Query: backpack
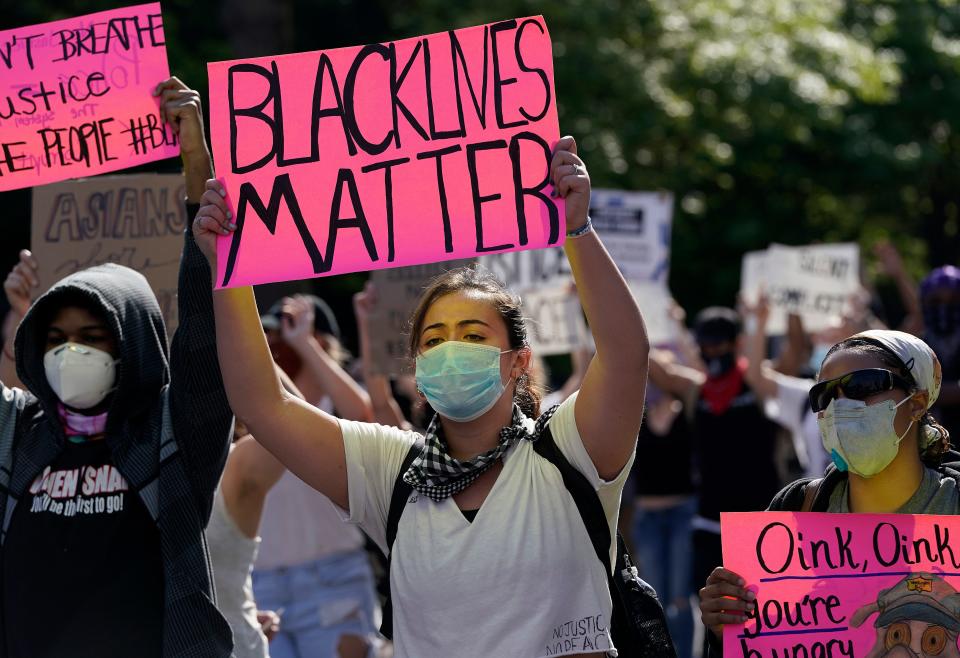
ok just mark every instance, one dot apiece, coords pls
pixel 813 495
pixel 638 625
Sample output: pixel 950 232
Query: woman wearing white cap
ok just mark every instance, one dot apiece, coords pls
pixel 872 401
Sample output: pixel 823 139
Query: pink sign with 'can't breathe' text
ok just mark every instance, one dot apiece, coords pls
pixel 76 96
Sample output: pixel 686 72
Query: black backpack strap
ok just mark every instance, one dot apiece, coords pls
pixel 398 501
pixel 583 493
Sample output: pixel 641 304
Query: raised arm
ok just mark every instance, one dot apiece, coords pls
pixel 199 410
pixel 892 264
pixel 349 399
pixel 250 473
pixel 759 375
pixel 386 411
pixel 680 381
pixel 305 439
pixel 609 407
pixel 19 286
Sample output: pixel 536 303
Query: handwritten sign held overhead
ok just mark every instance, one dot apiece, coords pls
pixel 817 282
pixel 636 227
pixel 398 292
pixel 76 97
pixel 845 585
pixel 136 221
pixel 403 153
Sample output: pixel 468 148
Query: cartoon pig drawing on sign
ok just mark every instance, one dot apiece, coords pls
pixel 919 618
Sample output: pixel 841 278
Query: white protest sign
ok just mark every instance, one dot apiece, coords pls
pixel 635 228
pixel 655 301
pixel 523 270
pixel 542 278
pixel 398 292
pixel 555 322
pixel 816 282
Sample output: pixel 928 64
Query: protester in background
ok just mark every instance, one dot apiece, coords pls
pixel 940 300
pixel 579 362
pixel 233 541
pixel 786 398
pixel 890 456
pixel 734 442
pixel 454 560
pixel 311 566
pixel 386 410
pixel 665 505
pixel 110 457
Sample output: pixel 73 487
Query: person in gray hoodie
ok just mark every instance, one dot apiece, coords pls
pixel 110 454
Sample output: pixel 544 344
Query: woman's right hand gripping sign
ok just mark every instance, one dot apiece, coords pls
pixel 725 600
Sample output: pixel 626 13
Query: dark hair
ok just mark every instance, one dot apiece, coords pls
pixel 717 324
pixel 70 298
pixel 479 279
pixel 931 453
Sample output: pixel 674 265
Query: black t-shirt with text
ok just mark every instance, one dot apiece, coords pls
pixel 82 571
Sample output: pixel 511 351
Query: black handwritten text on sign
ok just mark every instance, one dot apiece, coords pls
pixel 844 585
pixel 136 221
pixel 75 97
pixel 403 153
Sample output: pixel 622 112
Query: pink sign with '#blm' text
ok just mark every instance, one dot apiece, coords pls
pixel 845 585
pixel 75 96
pixel 409 152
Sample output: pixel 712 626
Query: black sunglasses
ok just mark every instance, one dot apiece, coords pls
pixel 856 385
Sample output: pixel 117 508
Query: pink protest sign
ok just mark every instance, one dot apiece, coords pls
pixel 75 96
pixel 403 153
pixel 853 585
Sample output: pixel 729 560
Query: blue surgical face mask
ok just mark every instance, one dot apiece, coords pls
pixel 461 381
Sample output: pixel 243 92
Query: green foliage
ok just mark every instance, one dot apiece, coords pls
pixel 771 120
pixel 787 121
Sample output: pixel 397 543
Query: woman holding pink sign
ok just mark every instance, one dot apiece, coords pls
pixel 492 557
pixel 872 401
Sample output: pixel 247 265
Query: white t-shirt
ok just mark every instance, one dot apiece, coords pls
pixel 521 580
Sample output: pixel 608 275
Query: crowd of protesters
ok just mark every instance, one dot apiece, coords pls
pixel 234 491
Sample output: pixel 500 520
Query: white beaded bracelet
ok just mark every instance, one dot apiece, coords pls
pixel 583 230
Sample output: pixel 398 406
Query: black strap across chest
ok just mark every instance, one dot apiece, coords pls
pixel 583 493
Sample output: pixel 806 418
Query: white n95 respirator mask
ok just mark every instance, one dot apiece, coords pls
pixel 80 375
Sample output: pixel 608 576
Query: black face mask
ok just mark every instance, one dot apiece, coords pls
pixel 942 319
pixel 720 365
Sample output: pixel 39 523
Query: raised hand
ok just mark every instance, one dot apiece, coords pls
pixel 297 321
pixel 571 181
pixel 213 219
pixel 180 107
pixel 365 303
pixel 22 282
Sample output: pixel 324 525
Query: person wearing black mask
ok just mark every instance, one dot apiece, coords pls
pixel 733 439
pixel 940 302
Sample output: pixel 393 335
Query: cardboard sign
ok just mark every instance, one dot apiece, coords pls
pixel 76 96
pixel 554 317
pixel 815 282
pixel 850 585
pixel 136 221
pixel 398 291
pixel 522 270
pixel 403 153
pixel 542 278
pixel 635 227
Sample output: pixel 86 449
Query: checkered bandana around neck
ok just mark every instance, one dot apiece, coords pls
pixel 437 475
